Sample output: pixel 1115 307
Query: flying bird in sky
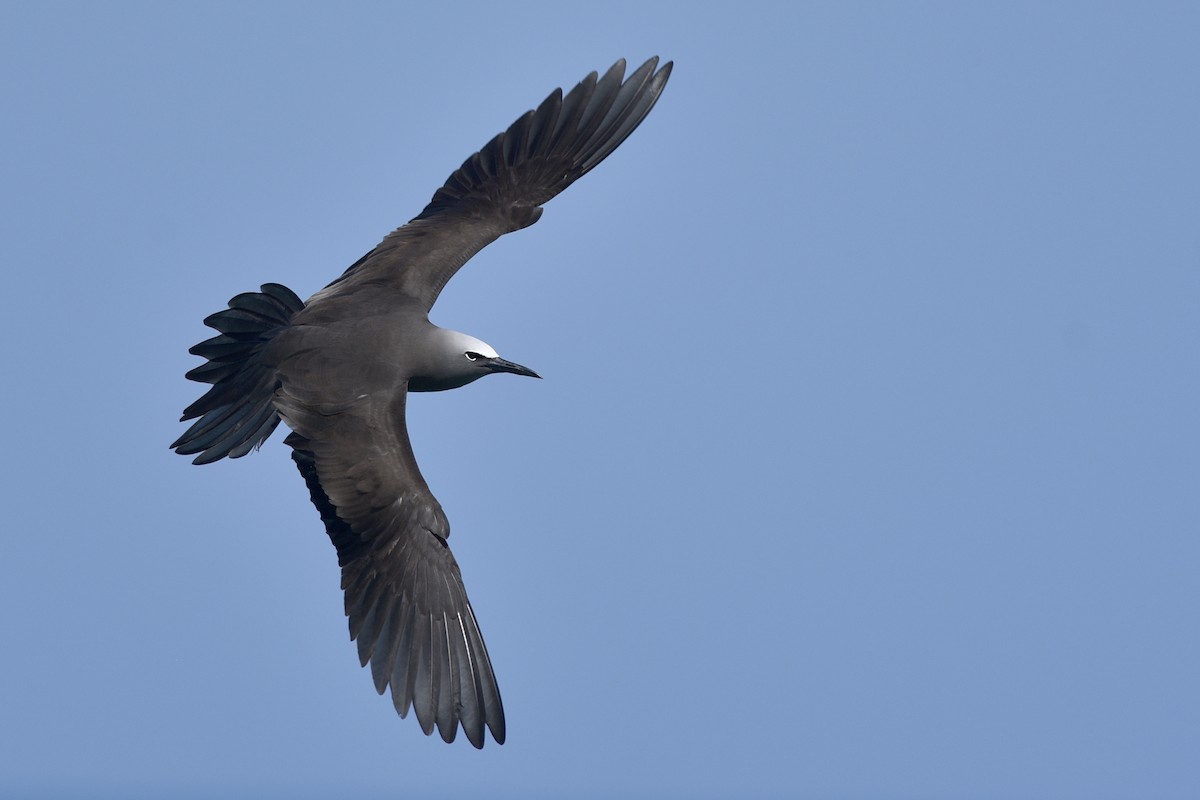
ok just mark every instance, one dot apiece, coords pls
pixel 338 369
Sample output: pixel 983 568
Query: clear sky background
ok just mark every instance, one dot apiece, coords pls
pixel 866 462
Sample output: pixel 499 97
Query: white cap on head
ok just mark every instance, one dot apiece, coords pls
pixel 464 342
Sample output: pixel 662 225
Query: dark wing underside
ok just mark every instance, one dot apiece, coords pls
pixel 405 598
pixel 500 188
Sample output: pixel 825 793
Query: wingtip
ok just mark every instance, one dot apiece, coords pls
pixel 652 62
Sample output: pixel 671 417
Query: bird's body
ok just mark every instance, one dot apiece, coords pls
pixel 338 368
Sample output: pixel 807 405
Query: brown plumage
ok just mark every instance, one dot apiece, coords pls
pixel 338 369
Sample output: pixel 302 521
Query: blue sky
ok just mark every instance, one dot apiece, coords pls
pixel 865 463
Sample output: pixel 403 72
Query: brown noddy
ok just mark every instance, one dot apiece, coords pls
pixel 338 368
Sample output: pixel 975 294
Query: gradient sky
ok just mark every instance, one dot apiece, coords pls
pixel 866 463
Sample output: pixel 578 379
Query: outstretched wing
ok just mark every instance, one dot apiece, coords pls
pixel 405 598
pixel 500 188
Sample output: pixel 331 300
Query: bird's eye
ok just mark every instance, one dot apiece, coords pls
pixel 472 356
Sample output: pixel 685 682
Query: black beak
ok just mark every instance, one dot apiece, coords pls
pixel 500 365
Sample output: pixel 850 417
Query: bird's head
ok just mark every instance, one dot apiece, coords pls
pixel 457 359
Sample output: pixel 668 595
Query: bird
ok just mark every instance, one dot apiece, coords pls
pixel 337 370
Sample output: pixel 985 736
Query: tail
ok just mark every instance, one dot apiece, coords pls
pixel 237 413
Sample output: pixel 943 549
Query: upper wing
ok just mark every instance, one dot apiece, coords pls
pixel 500 188
pixel 405 598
